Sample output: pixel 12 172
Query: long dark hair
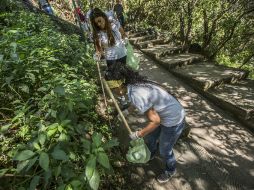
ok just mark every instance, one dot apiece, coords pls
pixel 119 71
pixel 96 12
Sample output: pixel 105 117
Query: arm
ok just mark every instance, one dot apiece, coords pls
pixel 154 122
pixel 122 33
pixel 98 48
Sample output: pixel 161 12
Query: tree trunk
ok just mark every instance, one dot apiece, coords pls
pixel 182 26
pixel 246 60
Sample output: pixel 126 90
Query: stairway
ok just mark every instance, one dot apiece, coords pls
pixel 224 86
pixel 219 154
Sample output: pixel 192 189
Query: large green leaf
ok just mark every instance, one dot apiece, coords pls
pixel 57 171
pixel 95 180
pixel 47 175
pixel 63 137
pixel 59 154
pixel 90 167
pixel 44 161
pixel 97 139
pixel 36 145
pixel 42 138
pixel 52 129
pixel 24 155
pixel 103 159
pixel 51 132
pixel 76 184
pixel 111 143
pixel 31 163
pixel 34 182
pixel 21 165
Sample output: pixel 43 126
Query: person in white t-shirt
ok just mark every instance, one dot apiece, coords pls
pixel 109 38
pixel 166 116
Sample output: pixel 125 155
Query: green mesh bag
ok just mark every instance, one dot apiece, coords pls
pixel 138 152
pixel 132 61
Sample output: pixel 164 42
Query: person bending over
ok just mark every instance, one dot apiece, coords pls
pixel 166 116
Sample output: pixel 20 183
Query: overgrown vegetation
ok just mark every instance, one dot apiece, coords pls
pixel 51 137
pixel 224 29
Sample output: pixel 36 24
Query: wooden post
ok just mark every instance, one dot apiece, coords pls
pixel 116 105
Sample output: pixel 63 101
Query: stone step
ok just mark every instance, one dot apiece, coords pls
pixel 151 43
pixel 136 34
pixel 205 75
pixel 178 60
pixel 237 98
pixel 161 50
pixel 137 40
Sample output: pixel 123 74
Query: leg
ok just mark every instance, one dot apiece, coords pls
pixel 151 140
pixel 168 138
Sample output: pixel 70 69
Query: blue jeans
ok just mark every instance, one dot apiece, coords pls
pixel 47 8
pixel 167 137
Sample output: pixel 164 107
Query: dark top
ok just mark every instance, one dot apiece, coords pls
pixel 118 8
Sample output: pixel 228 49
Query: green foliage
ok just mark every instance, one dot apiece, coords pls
pixel 222 28
pixel 48 91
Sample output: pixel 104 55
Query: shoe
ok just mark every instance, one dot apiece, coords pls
pixel 164 177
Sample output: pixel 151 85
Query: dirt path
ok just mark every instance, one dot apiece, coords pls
pixel 219 153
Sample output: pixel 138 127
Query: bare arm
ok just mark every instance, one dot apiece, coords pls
pixel 98 48
pixel 122 33
pixel 153 122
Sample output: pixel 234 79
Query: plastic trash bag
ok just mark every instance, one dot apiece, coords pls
pixel 132 60
pixel 138 152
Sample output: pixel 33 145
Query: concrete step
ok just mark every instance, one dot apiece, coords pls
pixel 136 34
pixel 137 40
pixel 161 50
pixel 151 43
pixel 178 60
pixel 237 98
pixel 205 75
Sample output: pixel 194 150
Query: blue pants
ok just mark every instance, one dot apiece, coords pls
pixel 121 20
pixel 47 8
pixel 167 137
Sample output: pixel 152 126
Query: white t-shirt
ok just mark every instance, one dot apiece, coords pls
pixel 118 50
pixel 110 15
pixel 88 15
pixel 149 96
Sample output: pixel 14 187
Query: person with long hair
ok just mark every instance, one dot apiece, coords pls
pixel 166 116
pixel 109 38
